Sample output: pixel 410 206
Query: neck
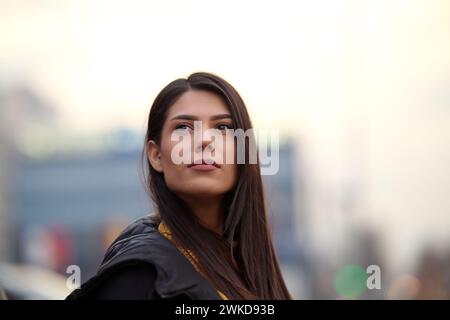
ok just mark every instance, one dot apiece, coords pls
pixel 208 211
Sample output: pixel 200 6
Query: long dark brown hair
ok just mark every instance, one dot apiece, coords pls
pixel 242 263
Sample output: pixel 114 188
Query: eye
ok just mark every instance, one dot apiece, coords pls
pixel 224 126
pixel 182 127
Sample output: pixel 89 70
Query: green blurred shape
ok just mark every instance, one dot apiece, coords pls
pixel 350 282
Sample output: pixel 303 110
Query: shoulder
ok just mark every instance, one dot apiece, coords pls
pixel 136 281
pixel 161 267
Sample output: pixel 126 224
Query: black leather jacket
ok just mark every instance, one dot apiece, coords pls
pixel 172 276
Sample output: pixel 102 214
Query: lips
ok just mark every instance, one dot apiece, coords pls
pixel 213 163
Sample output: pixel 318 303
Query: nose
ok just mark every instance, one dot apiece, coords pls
pixel 204 141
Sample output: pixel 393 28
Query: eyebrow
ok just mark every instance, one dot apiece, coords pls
pixel 192 117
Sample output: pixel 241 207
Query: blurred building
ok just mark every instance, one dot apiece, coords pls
pixel 4 169
pixel 19 106
pixel 287 216
pixel 433 274
pixel 69 208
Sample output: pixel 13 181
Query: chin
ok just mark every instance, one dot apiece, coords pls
pixel 204 190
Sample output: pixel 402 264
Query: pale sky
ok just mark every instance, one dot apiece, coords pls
pixel 102 62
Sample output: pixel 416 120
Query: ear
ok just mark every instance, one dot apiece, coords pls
pixel 154 155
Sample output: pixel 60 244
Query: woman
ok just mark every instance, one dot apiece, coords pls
pixel 210 236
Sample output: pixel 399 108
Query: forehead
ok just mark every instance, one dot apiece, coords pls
pixel 200 103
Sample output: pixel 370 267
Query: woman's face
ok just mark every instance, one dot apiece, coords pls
pixel 185 179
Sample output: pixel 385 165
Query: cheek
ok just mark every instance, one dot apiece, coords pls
pixel 166 151
pixel 229 172
pixel 227 154
pixel 170 169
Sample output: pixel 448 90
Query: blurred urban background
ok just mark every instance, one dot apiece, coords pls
pixel 359 91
